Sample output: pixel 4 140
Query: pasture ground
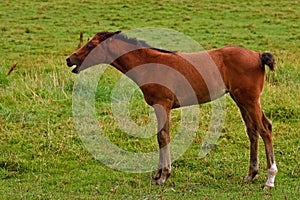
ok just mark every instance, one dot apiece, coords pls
pixel 41 155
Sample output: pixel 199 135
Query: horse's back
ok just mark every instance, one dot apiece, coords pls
pixel 239 58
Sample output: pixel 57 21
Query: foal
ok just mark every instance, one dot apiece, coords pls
pixel 210 74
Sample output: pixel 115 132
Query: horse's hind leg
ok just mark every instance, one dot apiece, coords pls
pixel 253 137
pixel 257 123
pixel 266 134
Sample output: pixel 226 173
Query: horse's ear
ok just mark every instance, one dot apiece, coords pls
pixel 117 32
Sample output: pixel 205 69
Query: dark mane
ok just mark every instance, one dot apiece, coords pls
pixel 140 43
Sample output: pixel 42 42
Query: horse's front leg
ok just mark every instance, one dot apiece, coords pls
pixel 163 137
pixel 164 166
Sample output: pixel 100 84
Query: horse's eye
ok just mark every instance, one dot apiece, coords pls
pixel 89 47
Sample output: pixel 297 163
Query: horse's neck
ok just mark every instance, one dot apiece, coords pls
pixel 132 58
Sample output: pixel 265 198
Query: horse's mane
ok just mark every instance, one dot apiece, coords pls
pixel 139 43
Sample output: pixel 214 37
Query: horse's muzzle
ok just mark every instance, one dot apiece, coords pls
pixel 76 70
pixel 69 63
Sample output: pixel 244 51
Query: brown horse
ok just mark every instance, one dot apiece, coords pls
pixel 209 74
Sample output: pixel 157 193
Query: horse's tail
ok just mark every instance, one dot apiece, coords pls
pixel 268 59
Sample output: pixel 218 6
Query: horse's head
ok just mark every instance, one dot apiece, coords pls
pixel 79 56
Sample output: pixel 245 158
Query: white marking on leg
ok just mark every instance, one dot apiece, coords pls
pixel 159 168
pixel 166 160
pixel 271 175
pixel 166 164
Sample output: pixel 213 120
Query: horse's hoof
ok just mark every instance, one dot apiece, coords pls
pixel 155 177
pixel 268 187
pixel 248 178
pixel 160 181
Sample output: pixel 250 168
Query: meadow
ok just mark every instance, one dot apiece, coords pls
pixel 41 154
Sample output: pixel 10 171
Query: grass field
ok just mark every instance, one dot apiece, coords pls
pixel 41 154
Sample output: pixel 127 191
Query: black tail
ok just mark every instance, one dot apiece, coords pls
pixel 268 59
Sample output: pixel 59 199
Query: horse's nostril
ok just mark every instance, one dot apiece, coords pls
pixel 68 60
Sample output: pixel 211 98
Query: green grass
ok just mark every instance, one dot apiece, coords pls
pixel 41 154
